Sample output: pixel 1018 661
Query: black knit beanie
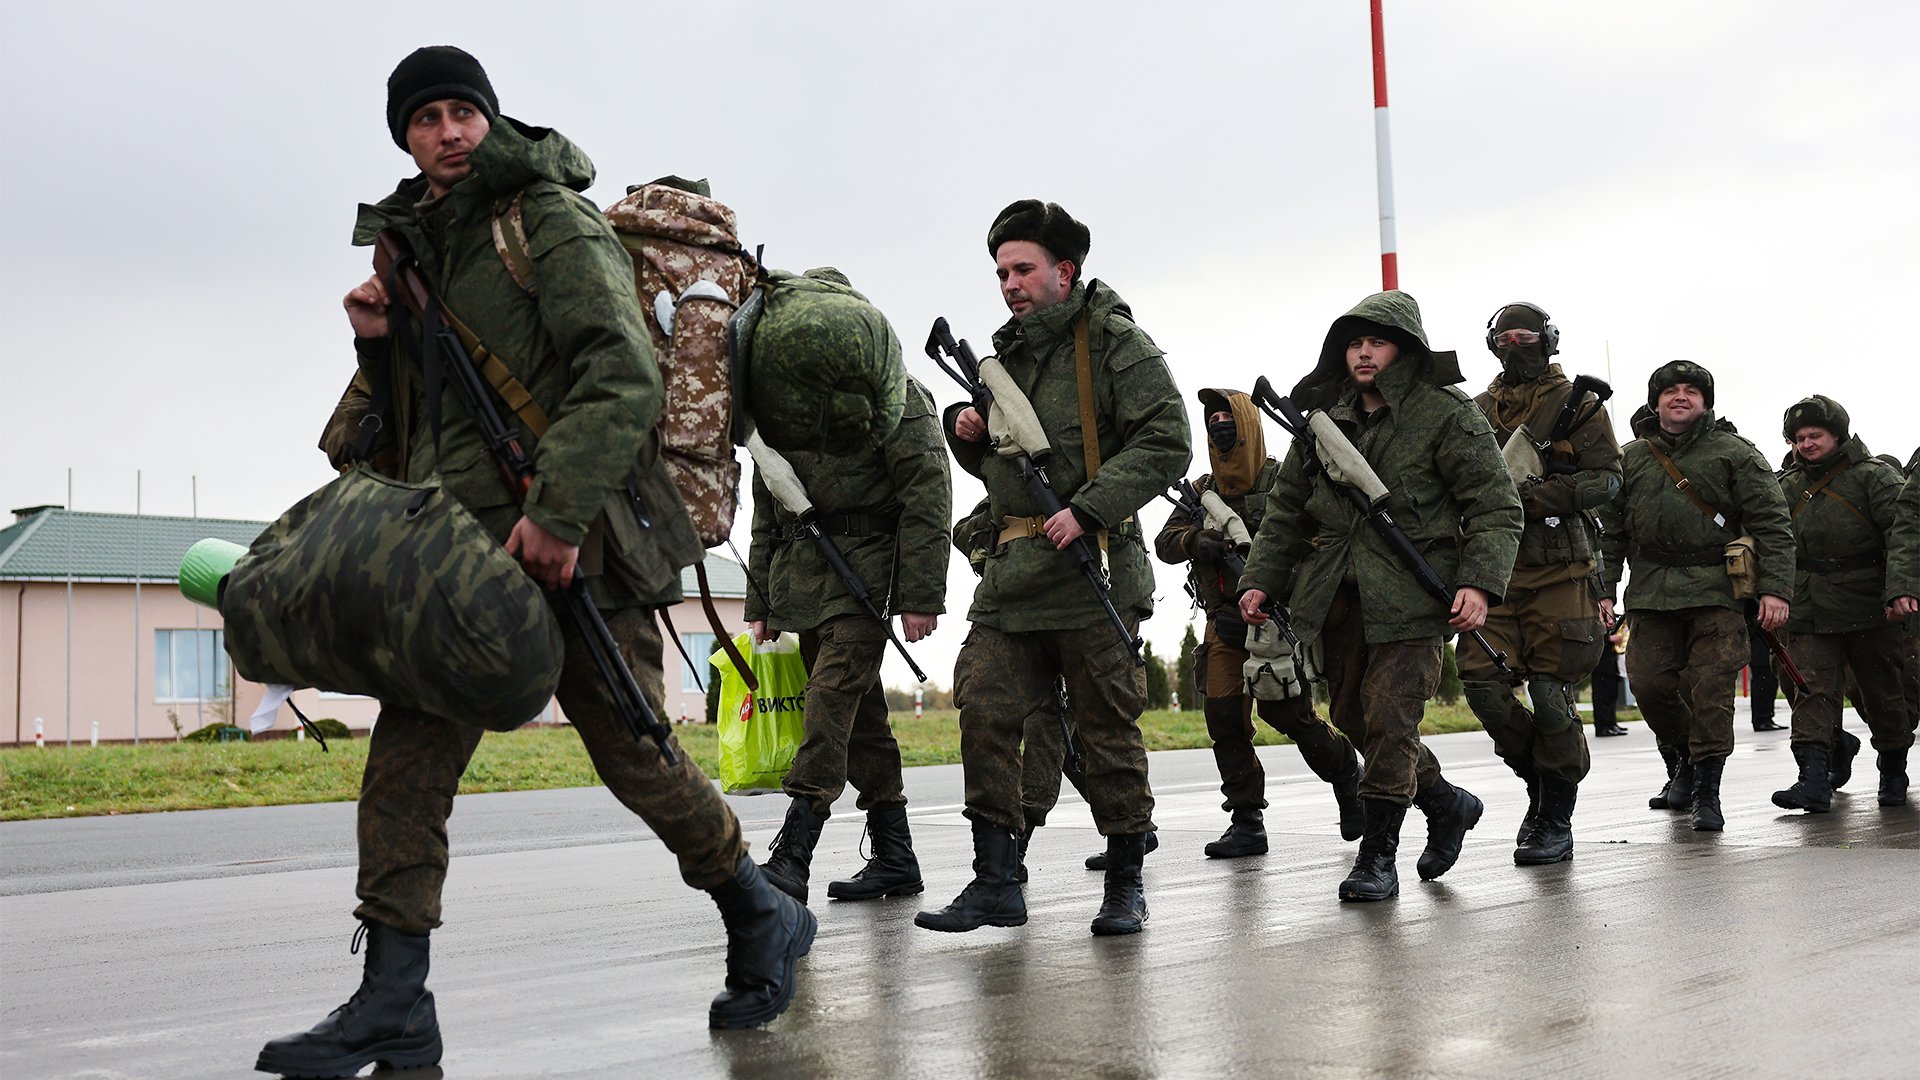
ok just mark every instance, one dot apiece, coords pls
pixel 433 73
pixel 1045 224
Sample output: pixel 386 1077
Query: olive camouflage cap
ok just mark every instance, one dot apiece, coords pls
pixel 1673 374
pixel 1816 411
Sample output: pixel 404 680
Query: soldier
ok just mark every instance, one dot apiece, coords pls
pixel 582 355
pixel 1842 501
pixel 1242 475
pixel 1550 627
pixel 1903 586
pixel 886 509
pixel 1606 685
pixel 1103 394
pixel 1380 632
pixel 1690 486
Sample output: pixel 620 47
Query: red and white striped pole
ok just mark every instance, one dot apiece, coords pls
pixel 1383 156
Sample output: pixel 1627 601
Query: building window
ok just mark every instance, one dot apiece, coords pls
pixel 698 646
pixel 190 665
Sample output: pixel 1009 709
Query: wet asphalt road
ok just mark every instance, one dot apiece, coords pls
pixel 173 945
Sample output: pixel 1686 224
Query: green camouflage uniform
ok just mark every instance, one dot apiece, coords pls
pixel 579 345
pixel 1550 625
pixel 1842 582
pixel 1035 619
pixel 1903 579
pixel 1381 633
pixel 886 509
pixel 1689 634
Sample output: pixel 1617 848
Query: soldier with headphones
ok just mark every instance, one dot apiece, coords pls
pixel 1565 462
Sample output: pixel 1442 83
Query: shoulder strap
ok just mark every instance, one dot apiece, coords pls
pixel 1685 485
pixel 512 392
pixel 1089 428
pixel 1819 488
pixel 510 240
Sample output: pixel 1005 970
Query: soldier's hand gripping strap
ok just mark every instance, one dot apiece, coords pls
pixel 1221 516
pixel 1522 457
pixel 777 473
pixel 1273 669
pixel 1011 422
pixel 1343 461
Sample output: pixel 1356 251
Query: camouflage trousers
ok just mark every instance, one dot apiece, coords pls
pixel 1909 650
pixel 414 764
pixel 1230 711
pixel 1377 695
pixel 1681 666
pixel 1878 660
pixel 999 682
pixel 1044 762
pixel 848 739
pixel 1552 631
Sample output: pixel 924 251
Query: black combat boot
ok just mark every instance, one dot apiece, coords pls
pixel 1893 779
pixel 1706 795
pixel 1532 819
pixel 992 898
pixel 1552 838
pixel 1606 728
pixel 790 856
pixel 1020 865
pixel 767 934
pixel 1098 860
pixel 389 1020
pixel 1764 722
pixel 1811 792
pixel 1451 811
pixel 1353 814
pixel 1247 835
pixel 893 870
pixel 1123 908
pixel 1846 745
pixel 1678 792
pixel 1373 876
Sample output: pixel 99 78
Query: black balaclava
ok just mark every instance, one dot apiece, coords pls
pixel 1521 363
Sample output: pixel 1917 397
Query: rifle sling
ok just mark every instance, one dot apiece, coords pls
pixel 1820 488
pixel 493 369
pixel 719 631
pixel 1089 428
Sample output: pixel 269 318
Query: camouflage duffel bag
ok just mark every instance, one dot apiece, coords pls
pixel 820 365
pixel 370 586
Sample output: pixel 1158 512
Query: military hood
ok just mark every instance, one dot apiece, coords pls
pixel 512 156
pixel 1514 403
pixel 1394 316
pixel 1237 471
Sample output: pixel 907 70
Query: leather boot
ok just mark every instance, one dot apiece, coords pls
pixel 992 898
pixel 1098 861
pixel 1353 815
pixel 1893 779
pixel 893 870
pixel 1020 866
pixel 1247 835
pixel 1678 792
pixel 1373 876
pixel 389 1020
pixel 1552 838
pixel 1123 908
pixel 790 856
pixel 1451 811
pixel 767 934
pixel 1846 746
pixel 1532 819
pixel 1811 792
pixel 1706 795
pixel 1606 728
pixel 1765 723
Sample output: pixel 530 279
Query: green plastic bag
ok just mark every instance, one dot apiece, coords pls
pixel 759 733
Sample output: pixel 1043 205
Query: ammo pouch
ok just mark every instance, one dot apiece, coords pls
pixel 1229 628
pixel 1743 568
pixel 1276 669
pixel 372 586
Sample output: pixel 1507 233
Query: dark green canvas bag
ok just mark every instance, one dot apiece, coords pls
pixel 820 365
pixel 371 586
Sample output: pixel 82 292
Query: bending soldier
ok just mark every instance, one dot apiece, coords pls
pixel 1689 632
pixel 1242 475
pixel 588 365
pixel 1393 397
pixel 1102 392
pixel 1550 627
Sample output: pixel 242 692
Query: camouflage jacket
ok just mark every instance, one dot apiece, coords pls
pixel 1903 544
pixel 1561 539
pixel 1143 433
pixel 578 343
pixel 902 491
pixel 1841 576
pixel 1653 524
pixel 1213 591
pixel 1449 491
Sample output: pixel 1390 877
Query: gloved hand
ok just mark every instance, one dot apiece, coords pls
pixel 1211 545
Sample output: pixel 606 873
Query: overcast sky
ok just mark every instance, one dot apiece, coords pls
pixel 1731 183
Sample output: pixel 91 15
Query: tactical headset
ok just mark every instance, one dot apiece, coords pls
pixel 1549 335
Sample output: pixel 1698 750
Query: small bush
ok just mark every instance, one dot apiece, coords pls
pixel 217 733
pixel 329 728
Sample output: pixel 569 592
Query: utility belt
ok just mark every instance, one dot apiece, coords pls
pixel 1022 528
pixel 854 525
pixel 1864 560
pixel 1674 559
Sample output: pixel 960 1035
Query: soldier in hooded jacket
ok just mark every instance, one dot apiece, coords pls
pixel 1242 474
pixel 1035 618
pixel 1381 633
pixel 886 510
pixel 1842 502
pixel 1689 627
pixel 577 343
pixel 1551 627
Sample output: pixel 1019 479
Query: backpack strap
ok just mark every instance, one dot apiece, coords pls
pixel 1685 485
pixel 510 240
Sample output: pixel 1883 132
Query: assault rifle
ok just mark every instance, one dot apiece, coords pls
pixel 777 473
pixel 1073 763
pixel 1572 417
pixel 1015 433
pixel 1349 472
pixel 1212 511
pixel 441 349
pixel 1779 652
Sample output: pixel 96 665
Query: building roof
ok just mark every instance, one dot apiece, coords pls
pixel 48 543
